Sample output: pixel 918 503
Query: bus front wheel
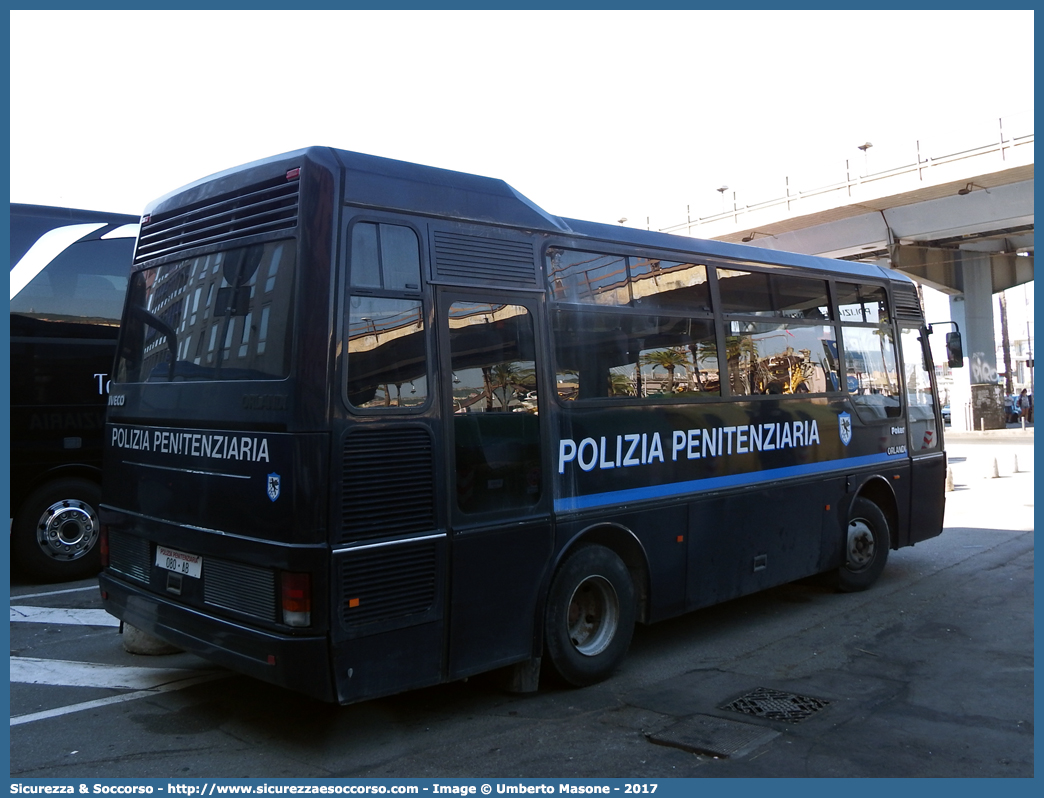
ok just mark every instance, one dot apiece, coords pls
pixel 55 534
pixel 590 615
pixel 867 541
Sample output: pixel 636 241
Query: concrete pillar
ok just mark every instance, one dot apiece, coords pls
pixel 977 397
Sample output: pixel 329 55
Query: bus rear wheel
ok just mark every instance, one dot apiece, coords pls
pixel 590 616
pixel 55 535
pixel 867 540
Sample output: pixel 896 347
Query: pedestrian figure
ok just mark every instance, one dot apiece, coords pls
pixel 1024 405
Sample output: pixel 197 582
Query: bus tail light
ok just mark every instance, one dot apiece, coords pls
pixel 297 598
pixel 103 546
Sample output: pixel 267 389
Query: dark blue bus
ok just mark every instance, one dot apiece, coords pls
pixel 69 274
pixel 375 426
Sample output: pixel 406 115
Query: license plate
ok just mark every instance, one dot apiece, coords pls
pixel 179 561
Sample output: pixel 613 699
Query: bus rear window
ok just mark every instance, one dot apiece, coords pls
pixel 223 316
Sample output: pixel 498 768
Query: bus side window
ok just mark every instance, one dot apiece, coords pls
pixel 780 358
pixel 777 341
pixel 387 354
pixel 631 328
pixel 872 377
pixel 919 398
pixel 767 294
pixel 621 355
pixel 386 346
pixel 495 407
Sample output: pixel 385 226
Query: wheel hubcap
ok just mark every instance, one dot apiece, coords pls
pixel 67 529
pixel 594 614
pixel 860 545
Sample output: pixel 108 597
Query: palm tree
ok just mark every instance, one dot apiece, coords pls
pixel 737 348
pixel 620 384
pixel 508 378
pixel 702 352
pixel 668 359
pixel 487 387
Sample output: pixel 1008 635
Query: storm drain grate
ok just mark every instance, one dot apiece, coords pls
pixel 776 705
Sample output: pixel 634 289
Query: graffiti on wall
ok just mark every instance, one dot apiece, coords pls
pixel 981 371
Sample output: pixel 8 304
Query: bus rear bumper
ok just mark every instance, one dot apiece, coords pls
pixel 301 664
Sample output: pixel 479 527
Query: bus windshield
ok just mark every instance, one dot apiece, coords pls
pixel 222 316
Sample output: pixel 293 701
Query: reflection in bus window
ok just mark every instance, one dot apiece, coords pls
pixel 387 363
pixel 920 400
pixel 862 303
pixel 659 341
pixel 663 284
pixel 871 377
pixel 203 318
pixel 623 355
pixel 495 405
pixel 647 282
pixel 781 358
pixel 587 277
pixel 770 294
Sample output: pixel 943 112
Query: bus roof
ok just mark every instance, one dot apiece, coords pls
pixel 386 183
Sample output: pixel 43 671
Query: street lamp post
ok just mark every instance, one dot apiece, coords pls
pixel 866 160
pixel 721 190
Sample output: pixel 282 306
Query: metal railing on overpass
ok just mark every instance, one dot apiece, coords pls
pixel 1007 150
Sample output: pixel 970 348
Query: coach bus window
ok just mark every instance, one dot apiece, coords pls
pixel 862 303
pixel 669 285
pixel 657 340
pixel 769 294
pixel 386 353
pixel 919 401
pixel 871 376
pixel 85 283
pixel 205 319
pixel 385 256
pixel 780 358
pixel 636 356
pixel 386 349
pixel 495 406
pixel 587 277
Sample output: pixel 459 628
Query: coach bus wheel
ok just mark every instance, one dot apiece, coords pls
pixel 590 615
pixel 866 547
pixel 55 535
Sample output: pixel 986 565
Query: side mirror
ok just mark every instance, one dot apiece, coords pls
pixel 954 350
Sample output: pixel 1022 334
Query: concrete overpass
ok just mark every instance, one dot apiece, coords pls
pixel 960 223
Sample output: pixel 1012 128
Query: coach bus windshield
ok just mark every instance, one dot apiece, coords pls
pixel 227 316
pixel 85 283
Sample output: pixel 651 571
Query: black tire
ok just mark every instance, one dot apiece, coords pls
pixel 866 543
pixel 590 616
pixel 54 537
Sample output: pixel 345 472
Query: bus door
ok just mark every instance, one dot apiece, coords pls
pixel 389 564
pixel 928 460
pixel 499 507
